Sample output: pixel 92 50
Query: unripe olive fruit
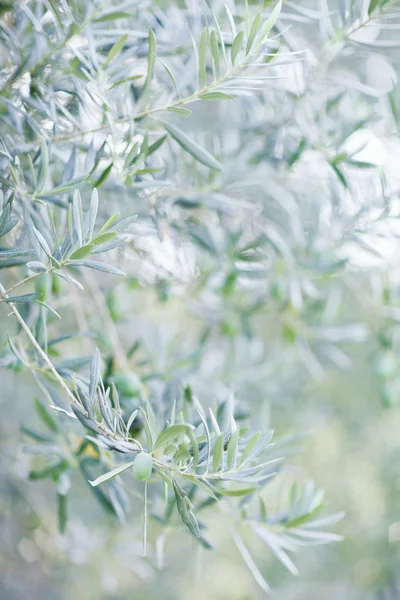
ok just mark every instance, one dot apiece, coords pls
pixel 43 285
pixel 56 285
pixel 142 466
pixel 114 306
pixel 128 384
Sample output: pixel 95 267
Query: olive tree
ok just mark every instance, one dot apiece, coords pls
pixel 212 154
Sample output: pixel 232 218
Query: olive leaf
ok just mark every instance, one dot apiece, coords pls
pixel 185 507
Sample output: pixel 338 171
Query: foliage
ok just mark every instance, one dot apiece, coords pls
pixel 242 206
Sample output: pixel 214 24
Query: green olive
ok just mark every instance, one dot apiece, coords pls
pixel 128 384
pixel 114 306
pixel 43 285
pixel 56 285
pixel 142 466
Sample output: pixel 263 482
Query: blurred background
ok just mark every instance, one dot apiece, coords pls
pixel 277 281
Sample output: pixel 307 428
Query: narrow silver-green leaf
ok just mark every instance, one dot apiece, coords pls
pixel 270 22
pixel 36 266
pixel 172 433
pixel 195 449
pixel 147 429
pixel 152 419
pixel 218 451
pixel 251 444
pixel 25 299
pixel 94 373
pixel 115 50
pixel 131 419
pixel 185 507
pixel 82 252
pixel 216 96
pixel 69 279
pixel 104 238
pixel 220 38
pixel 108 224
pixel 45 415
pixel 231 20
pixel 238 493
pixel 13 253
pixel 183 112
pixel 273 542
pixel 248 559
pixel 44 245
pixel 255 28
pixel 192 147
pixel 112 16
pixel 215 52
pixel 111 474
pixel 124 80
pixel 233 449
pixel 78 215
pixel 93 209
pixel 151 57
pixel 104 175
pixel 206 487
pixel 203 56
pixel 170 75
pixel 59 190
pixel 372 6
pixel 236 46
pixel 50 308
pixel 98 266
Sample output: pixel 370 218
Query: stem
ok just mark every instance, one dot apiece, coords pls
pixel 145 520
pixel 29 278
pixel 48 362
pixel 361 25
pixel 207 476
pixel 147 113
pixel 39 350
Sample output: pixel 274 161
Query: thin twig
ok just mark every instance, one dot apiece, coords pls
pixel 148 113
pixel 29 278
pixel 49 364
pixel 39 350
